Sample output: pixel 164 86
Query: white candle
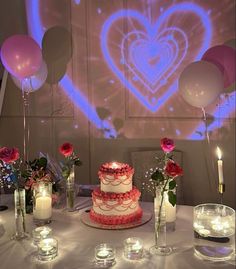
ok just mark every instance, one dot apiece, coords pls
pixel 220 166
pixel 43 207
pixel 170 210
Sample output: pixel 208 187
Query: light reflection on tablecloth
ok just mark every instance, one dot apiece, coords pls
pixel 77 242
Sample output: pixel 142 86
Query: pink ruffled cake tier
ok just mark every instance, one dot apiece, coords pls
pixel 116 220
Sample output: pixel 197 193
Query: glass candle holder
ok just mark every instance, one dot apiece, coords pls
pixel 214 229
pixel 42 203
pixel 133 248
pixel 104 255
pixel 47 249
pixel 40 233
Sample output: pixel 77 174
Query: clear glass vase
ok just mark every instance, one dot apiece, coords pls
pixel 70 191
pixel 160 247
pixel 19 199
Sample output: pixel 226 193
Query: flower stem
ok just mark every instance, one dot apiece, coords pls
pixel 159 213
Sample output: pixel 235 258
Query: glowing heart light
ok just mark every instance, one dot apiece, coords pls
pixel 153 61
pixel 21 56
pixel 152 52
pixel 201 83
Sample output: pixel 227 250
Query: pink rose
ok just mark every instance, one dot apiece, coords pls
pixel 172 169
pixel 66 149
pixel 167 144
pixel 9 155
pixel 55 198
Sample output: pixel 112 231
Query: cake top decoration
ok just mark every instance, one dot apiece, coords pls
pixel 115 168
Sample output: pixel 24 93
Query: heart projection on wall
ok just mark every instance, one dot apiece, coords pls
pixel 153 52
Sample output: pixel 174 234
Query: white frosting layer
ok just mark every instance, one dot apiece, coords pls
pixel 119 184
pixel 112 208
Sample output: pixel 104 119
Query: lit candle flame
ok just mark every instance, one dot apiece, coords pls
pixel 219 153
pixel 114 165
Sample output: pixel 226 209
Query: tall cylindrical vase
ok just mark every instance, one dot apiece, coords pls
pixel 70 191
pixel 19 199
pixel 160 247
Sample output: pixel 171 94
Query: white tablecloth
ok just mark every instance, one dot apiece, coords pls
pixel 77 242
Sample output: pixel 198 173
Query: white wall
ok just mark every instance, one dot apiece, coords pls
pixel 55 119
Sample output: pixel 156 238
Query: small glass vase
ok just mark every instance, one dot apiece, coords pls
pixel 160 247
pixel 70 191
pixel 19 200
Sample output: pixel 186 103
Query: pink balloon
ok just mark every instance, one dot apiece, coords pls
pixel 21 56
pixel 224 58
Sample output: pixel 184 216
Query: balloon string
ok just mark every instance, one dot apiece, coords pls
pixel 206 128
pixel 25 95
pixel 207 148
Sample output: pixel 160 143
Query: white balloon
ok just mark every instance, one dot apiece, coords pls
pixel 34 82
pixel 201 83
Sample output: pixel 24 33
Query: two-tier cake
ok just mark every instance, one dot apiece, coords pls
pixel 116 200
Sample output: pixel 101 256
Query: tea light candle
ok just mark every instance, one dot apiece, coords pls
pixel 133 248
pixel 104 255
pixel 40 233
pixel 47 249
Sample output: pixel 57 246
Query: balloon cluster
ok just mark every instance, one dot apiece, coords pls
pixel 202 82
pixel 22 58
pixel 29 66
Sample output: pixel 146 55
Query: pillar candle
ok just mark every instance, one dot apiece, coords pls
pixel 43 207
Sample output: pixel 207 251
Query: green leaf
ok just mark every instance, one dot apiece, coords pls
pixel 172 197
pixel 172 184
pixel 118 123
pixel 77 162
pixel 157 176
pixel 65 173
pixel 103 113
pixel 42 163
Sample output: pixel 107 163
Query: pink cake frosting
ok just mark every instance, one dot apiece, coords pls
pixel 116 201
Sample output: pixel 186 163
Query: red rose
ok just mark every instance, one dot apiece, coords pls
pixel 66 149
pixel 167 144
pixel 9 155
pixel 172 169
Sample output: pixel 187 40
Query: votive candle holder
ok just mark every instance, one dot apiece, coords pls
pixel 133 248
pixel 40 233
pixel 47 249
pixel 105 255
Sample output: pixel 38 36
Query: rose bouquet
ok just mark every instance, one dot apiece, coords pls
pixel 11 173
pixel 11 167
pixel 71 160
pixel 67 150
pixel 163 180
pixel 167 171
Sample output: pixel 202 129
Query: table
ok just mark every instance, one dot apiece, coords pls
pixel 77 241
